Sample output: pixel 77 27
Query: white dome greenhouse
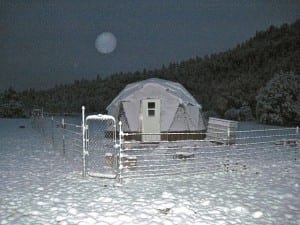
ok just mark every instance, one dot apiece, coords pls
pixel 157 106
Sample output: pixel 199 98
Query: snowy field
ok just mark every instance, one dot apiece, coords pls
pixel 39 186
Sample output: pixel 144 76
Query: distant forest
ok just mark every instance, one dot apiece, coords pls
pixel 219 82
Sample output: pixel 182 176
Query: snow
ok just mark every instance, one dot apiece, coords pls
pixel 172 97
pixel 40 186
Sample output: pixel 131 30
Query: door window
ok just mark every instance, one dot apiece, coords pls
pixel 151 109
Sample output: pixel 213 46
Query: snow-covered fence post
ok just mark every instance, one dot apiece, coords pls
pixel 84 151
pixel 52 130
pixel 229 152
pixel 228 136
pixel 42 121
pixel 63 135
pixel 297 141
pixel 120 165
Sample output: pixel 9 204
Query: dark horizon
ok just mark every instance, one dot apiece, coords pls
pixel 46 43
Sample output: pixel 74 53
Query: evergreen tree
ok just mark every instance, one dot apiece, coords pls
pixel 279 101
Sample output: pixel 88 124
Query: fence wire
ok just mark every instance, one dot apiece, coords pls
pixel 187 157
pixel 181 154
pixel 64 133
pixel 102 154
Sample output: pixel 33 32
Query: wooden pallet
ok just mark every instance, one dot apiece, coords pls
pixel 221 131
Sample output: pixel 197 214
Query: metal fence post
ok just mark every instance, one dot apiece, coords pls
pixel 43 126
pixel 63 135
pixel 297 136
pixel 84 152
pixel 120 153
pixel 52 130
pixel 228 136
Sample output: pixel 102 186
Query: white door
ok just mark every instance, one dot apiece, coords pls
pixel 150 120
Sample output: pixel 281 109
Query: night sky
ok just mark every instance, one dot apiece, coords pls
pixel 48 42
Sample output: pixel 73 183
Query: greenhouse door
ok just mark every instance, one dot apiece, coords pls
pixel 150 112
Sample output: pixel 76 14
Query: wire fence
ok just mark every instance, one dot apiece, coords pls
pixel 95 145
pixel 102 152
pixel 187 157
pixel 64 133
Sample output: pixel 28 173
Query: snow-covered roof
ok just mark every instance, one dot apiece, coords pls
pixel 172 96
pixel 171 87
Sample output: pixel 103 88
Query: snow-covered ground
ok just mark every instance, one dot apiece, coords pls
pixel 39 186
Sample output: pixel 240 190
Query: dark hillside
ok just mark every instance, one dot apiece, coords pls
pixel 219 82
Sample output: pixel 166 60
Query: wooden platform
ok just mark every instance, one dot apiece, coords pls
pixel 129 162
pixel 221 131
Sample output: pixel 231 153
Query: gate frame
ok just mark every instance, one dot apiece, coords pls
pixel 85 138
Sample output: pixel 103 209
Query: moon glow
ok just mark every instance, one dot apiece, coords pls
pixel 106 43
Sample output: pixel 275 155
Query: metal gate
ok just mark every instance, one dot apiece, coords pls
pixel 100 157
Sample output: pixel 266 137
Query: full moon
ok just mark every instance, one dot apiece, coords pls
pixel 106 42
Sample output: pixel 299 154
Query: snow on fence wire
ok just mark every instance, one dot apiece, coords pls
pixel 63 132
pixel 102 149
pixel 187 157
pixel 90 146
pixel 101 153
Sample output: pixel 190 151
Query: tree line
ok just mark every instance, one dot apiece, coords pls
pixel 219 82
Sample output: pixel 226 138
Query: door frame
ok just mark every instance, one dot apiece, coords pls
pixel 150 111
